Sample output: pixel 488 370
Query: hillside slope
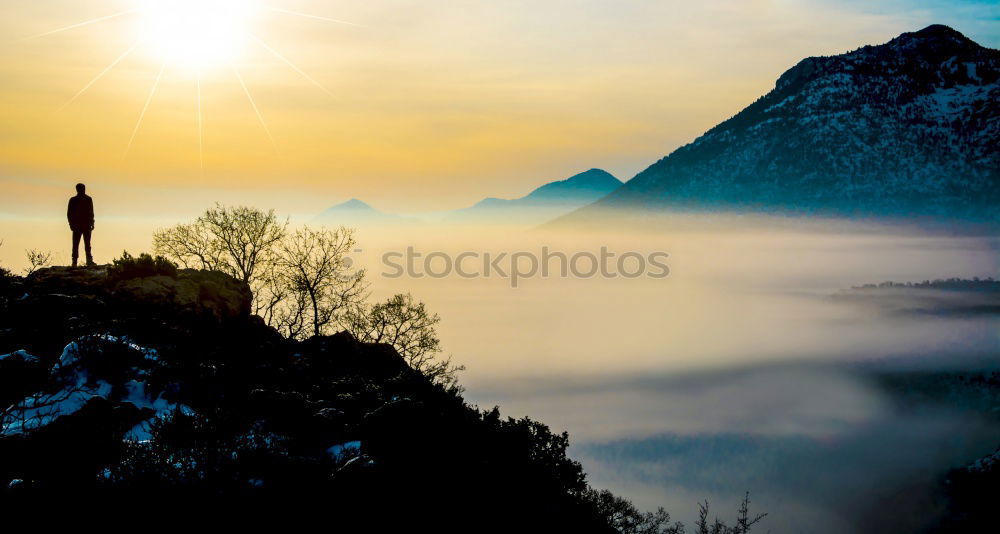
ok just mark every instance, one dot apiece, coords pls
pixel 161 388
pixel 907 128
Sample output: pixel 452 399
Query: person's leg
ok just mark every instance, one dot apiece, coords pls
pixel 76 246
pixel 86 247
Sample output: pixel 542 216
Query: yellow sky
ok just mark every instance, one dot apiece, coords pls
pixel 434 104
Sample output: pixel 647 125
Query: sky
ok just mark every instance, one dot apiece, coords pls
pixel 423 106
pixel 415 106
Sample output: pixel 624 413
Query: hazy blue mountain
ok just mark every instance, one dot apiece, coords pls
pixel 548 201
pixel 354 212
pixel 907 128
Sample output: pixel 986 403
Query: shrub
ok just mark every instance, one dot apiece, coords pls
pixel 37 259
pixel 128 267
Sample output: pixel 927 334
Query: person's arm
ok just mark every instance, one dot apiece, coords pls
pixel 69 212
pixel 91 206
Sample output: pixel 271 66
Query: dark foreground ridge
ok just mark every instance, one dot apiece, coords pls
pixel 164 386
pixel 167 385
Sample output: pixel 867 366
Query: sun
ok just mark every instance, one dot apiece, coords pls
pixel 195 35
pixel 191 37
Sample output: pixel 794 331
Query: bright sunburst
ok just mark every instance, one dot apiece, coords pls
pixel 189 38
pixel 196 34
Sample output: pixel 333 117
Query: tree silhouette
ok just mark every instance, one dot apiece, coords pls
pixel 405 324
pixel 314 267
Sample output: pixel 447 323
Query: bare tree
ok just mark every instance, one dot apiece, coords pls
pixel 625 518
pixel 247 237
pixel 744 522
pixel 193 246
pixel 239 241
pixel 319 274
pixel 405 324
pixel 280 305
pixel 270 295
pixel 303 282
pixel 37 259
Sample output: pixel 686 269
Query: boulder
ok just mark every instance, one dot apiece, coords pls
pixel 69 280
pixel 375 360
pixel 207 295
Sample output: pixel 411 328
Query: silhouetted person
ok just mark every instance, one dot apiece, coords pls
pixel 80 214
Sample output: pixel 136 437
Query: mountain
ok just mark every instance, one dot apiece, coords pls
pixel 354 212
pixel 907 128
pixel 548 201
pixel 585 187
pixel 165 389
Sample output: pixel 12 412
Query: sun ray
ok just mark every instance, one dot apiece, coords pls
pixel 144 108
pixel 201 139
pixel 253 104
pixel 310 16
pixel 186 44
pixel 291 65
pixel 80 24
pixel 98 77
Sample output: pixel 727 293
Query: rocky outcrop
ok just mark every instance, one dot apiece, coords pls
pixel 167 386
pixel 202 294
pixel 49 308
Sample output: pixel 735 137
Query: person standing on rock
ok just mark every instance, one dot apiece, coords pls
pixel 80 214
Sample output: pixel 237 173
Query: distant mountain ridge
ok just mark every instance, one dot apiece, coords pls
pixel 549 200
pixel 352 205
pixel 907 128
pixel 584 187
pixel 358 213
pixel 544 203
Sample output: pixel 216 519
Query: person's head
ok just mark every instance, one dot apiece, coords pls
pixel 81 189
